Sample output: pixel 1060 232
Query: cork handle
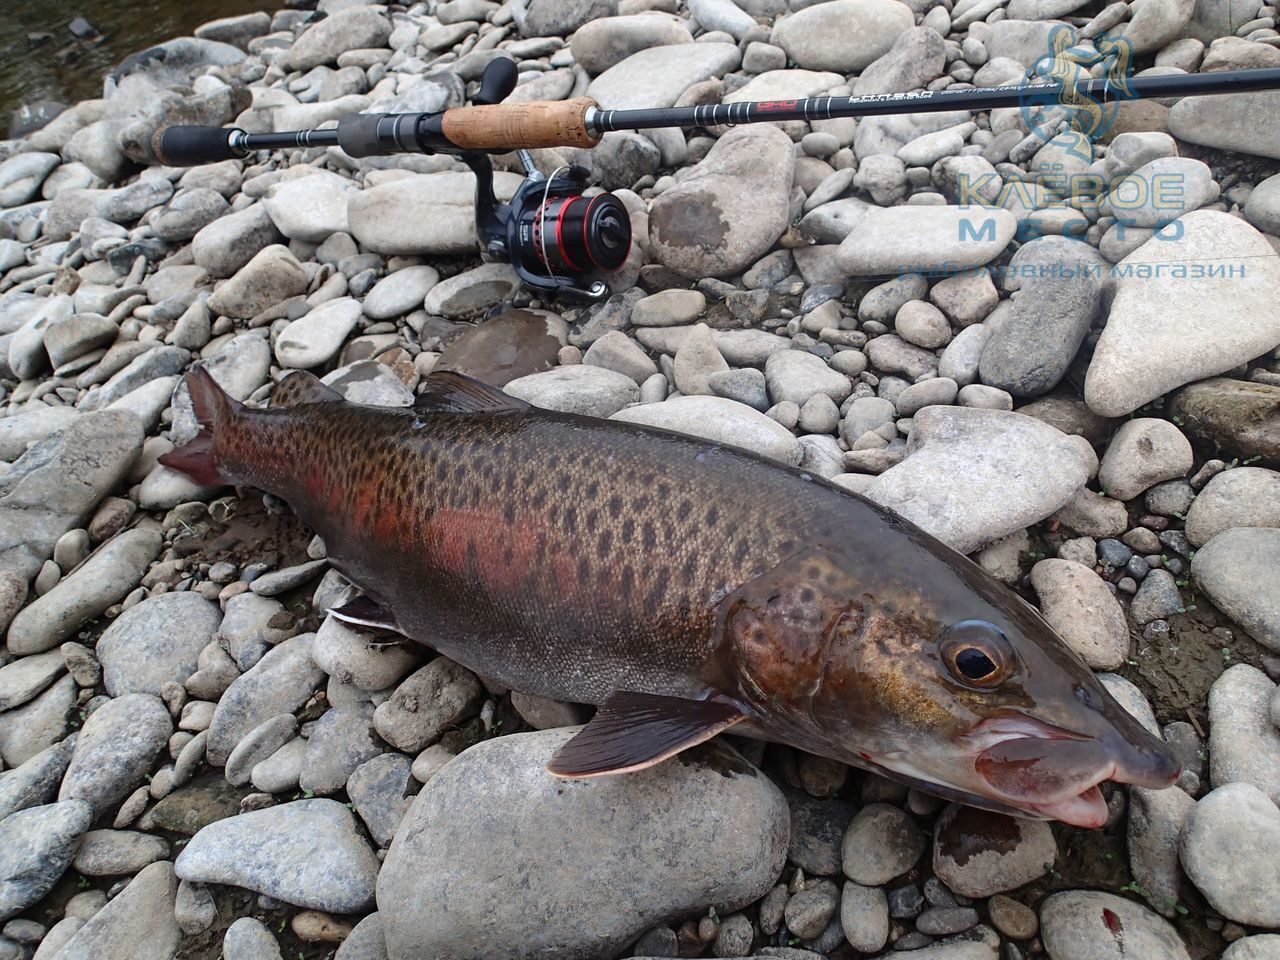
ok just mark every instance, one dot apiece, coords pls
pixel 543 123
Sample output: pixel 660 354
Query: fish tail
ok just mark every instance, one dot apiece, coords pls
pixel 214 409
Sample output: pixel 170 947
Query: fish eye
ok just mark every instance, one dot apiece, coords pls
pixel 976 653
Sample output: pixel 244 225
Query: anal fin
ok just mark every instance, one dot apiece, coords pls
pixel 632 731
pixel 365 611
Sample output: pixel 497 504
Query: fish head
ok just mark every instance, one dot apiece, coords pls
pixel 937 675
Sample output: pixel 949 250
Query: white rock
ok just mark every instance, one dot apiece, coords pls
pixel 1163 332
pixel 314 338
pixel 1230 847
pixel 924 239
pixel 582 389
pixel 1244 745
pixel 310 208
pixel 972 476
pixel 842 35
pixel 720 421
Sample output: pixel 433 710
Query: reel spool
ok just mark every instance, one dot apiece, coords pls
pixel 557 236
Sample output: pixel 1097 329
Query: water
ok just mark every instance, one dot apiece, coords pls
pixel 62 68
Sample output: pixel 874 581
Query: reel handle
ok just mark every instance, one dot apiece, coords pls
pixel 180 146
pixel 558 123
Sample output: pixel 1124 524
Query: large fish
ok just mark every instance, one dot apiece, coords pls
pixel 686 588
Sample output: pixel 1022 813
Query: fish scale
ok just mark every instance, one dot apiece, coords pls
pixel 683 586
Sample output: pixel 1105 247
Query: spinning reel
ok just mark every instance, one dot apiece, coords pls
pixel 551 233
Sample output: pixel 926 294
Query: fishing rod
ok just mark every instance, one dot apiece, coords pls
pixel 551 233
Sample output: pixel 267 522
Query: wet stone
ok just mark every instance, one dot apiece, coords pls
pixel 977 853
pixel 882 842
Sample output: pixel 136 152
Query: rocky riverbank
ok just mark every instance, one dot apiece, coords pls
pixel 1078 385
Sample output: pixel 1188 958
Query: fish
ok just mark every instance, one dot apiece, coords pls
pixel 685 588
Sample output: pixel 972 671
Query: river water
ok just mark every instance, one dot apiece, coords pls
pixel 40 59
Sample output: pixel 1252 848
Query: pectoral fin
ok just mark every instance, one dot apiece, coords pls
pixel 636 730
pixel 365 611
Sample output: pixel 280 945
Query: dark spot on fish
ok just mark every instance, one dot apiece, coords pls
pixel 509 513
pixel 563 482
pixel 971 832
pixel 713 515
pixel 615 506
pixel 628 580
pixel 740 551
pixel 538 500
pixel 628 531
pixel 806 595
pixel 570 520
pixel 584 571
pixel 649 536
pixel 605 543
pixel 592 490
pixel 683 510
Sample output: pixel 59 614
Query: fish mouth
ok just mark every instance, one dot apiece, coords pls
pixel 1053 773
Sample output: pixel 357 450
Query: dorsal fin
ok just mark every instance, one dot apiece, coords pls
pixel 451 392
pixel 302 387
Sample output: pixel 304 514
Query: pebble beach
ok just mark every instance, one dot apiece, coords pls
pixel 1056 351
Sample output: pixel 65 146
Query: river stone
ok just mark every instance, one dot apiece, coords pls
pixel 310 208
pixel 1244 745
pixel 399 292
pixel 24 679
pixel 514 344
pixel 1083 925
pixel 798 375
pixel 842 35
pixel 1260 946
pixel 1229 124
pixel 92 456
pixel 599 44
pixel 422 214
pixel 1086 615
pixel 582 389
pixel 110 572
pixel 547 18
pixel 729 209
pixel 280 682
pixel 308 853
pixel 1161 333
pixel 1240 497
pixel 138 922
pixel 1239 570
pixel 38 725
pixel 273 275
pixel 1143 452
pixel 471 291
pixel 19 431
pixel 316 337
pixel 1161 191
pixel 882 842
pixel 924 239
pixel 366 942
pixel 1156 819
pixel 231 241
pixel 720 421
pixel 355 28
pixel 341 740
pixel 972 475
pixel 1231 418
pixel 360 657
pixel 574 868
pixel 657 76
pixel 114 853
pixel 115 750
pixel 36 780
pixel 977 853
pixel 249 939
pixel 155 642
pixel 36 845
pixel 1029 353
pixel 379 788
